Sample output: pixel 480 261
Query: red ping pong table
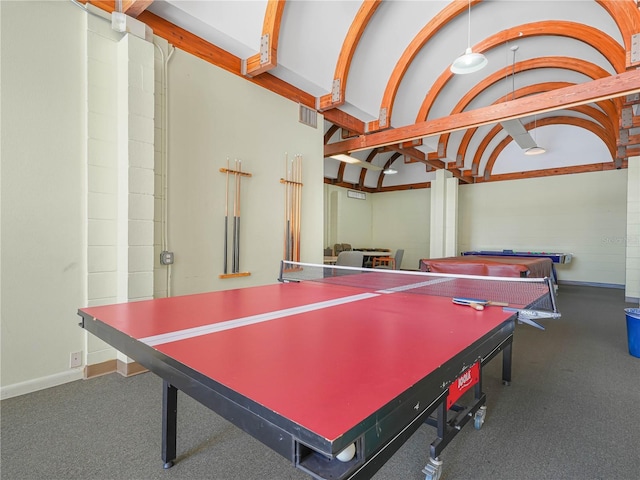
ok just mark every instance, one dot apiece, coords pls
pixel 313 368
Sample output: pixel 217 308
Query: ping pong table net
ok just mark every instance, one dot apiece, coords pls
pixel 533 293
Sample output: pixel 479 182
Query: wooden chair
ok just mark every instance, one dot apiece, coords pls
pixel 391 263
pixel 384 262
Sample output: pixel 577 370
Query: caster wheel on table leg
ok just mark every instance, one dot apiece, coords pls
pixel 433 469
pixel 479 418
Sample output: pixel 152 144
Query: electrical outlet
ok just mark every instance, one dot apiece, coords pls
pixel 166 258
pixel 75 360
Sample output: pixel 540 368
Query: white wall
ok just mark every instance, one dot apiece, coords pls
pixel 214 115
pixel 401 220
pixel 584 214
pixel 43 191
pixel 44 198
pixel 46 184
pixel 390 220
pixel 348 220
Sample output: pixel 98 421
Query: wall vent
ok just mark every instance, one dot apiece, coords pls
pixel 357 195
pixel 308 116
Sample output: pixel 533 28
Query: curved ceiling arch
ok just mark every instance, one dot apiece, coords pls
pixel 357 28
pixel 601 33
pixel 257 64
pixel 565 120
pixel 402 65
pixel 600 41
pixel 626 15
pixel 603 117
pixel 330 132
pixel 599 116
pixel 387 164
pixel 581 66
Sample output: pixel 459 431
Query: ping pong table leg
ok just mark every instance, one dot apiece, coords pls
pixel 169 423
pixel 506 364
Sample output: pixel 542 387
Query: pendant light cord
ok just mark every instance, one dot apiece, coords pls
pixel 469 27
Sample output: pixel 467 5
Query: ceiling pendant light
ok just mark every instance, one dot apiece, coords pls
pixel 469 62
pixel 535 150
pixel 389 171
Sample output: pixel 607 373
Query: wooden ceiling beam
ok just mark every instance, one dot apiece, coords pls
pixel 416 155
pixel 580 66
pixel 551 172
pixel 344 120
pixel 597 90
pixel 597 39
pixel 381 175
pixel 607 119
pixel 563 120
pixel 190 43
pixel 626 14
pixel 593 37
pixel 133 8
pixel 357 28
pixel 432 27
pixel 267 58
pixel 330 132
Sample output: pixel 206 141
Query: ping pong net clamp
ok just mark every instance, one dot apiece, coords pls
pixel 529 316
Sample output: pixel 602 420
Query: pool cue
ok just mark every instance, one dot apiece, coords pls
pixel 235 219
pixel 299 206
pixel 291 212
pixel 292 209
pixel 287 228
pixel 238 181
pixel 226 220
pixel 284 179
pixel 296 216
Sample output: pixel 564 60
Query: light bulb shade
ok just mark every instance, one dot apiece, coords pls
pixel 468 63
pixel 390 171
pixel 345 158
pixel 534 150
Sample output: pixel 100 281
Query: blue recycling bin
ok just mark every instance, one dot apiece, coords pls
pixel 633 330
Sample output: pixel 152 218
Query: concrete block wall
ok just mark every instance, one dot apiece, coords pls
pixel 102 175
pixel 632 289
pixel 443 223
pixel 140 154
pixel 120 178
pixel 161 272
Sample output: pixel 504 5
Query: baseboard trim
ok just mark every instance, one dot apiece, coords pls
pixel 41 383
pixel 130 369
pixel 126 369
pixel 591 284
pixel 89 371
pixel 99 369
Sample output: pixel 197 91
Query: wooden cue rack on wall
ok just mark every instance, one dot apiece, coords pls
pixel 235 244
pixel 292 207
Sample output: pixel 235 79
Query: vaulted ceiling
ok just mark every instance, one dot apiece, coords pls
pixel 563 73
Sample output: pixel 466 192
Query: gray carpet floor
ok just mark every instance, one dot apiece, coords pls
pixel 571 412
